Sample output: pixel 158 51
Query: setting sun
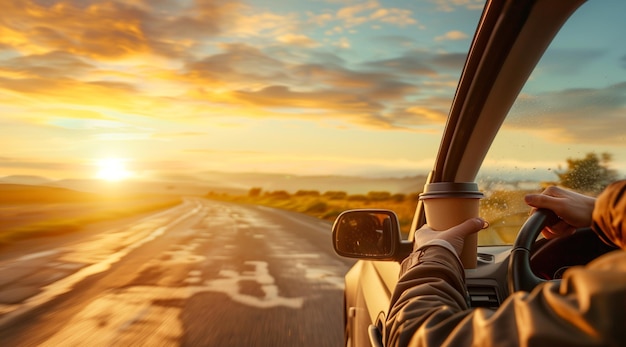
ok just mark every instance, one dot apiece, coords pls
pixel 112 169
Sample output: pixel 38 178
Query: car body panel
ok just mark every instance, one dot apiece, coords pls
pixel 366 305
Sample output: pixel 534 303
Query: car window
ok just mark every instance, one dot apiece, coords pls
pixel 568 125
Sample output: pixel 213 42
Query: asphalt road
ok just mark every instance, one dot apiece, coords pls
pixel 203 273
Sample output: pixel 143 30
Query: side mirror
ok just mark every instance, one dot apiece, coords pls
pixel 369 234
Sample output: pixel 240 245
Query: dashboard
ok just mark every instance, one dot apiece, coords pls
pixel 487 284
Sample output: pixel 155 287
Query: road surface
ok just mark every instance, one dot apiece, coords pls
pixel 203 273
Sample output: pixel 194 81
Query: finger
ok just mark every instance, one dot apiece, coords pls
pixel 548 233
pixel 470 226
pixel 535 200
pixel 540 201
pixel 424 227
pixel 424 230
pixel 559 229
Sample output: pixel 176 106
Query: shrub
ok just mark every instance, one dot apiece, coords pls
pixel 307 193
pixel 398 197
pixel 331 215
pixel 358 197
pixel 378 196
pixel 335 195
pixel 255 192
pixel 316 207
pixel 279 194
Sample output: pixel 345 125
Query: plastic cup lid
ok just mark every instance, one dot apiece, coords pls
pixel 451 189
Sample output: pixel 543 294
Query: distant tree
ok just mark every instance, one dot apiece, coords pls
pixel 255 192
pixel 589 174
pixel 357 197
pixel 379 196
pixel 317 207
pixel 398 197
pixel 307 193
pixel 414 197
pixel 335 195
pixel 279 194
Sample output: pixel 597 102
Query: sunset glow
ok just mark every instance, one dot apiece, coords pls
pixel 308 87
pixel 112 169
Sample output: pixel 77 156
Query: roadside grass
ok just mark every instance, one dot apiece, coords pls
pixel 329 206
pixel 505 210
pixel 30 214
pixel 32 220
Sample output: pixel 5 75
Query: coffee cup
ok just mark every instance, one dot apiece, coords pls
pixel 448 204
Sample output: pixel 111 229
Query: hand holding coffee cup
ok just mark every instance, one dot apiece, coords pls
pixel 448 204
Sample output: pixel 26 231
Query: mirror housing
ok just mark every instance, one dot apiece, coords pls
pixel 370 234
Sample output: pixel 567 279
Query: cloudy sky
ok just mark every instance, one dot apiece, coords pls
pixel 348 87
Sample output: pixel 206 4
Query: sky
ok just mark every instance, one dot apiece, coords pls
pixel 141 88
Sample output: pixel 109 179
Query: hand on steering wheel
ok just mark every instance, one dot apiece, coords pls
pixel 573 210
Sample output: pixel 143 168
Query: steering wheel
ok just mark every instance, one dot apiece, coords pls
pixel 520 275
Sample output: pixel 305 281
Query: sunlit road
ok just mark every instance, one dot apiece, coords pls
pixel 203 273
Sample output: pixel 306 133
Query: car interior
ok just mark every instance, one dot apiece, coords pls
pixel 510 40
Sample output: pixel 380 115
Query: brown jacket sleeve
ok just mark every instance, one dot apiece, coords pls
pixel 609 215
pixel 428 307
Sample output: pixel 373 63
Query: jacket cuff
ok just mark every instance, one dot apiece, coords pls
pixel 442 243
pixel 438 250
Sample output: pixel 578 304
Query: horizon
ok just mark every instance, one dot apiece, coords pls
pixel 173 176
pixel 242 183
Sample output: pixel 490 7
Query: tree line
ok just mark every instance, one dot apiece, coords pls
pixel 257 192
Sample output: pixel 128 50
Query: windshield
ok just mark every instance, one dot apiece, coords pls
pixel 567 125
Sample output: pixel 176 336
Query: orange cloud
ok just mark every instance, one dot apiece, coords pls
pixel 281 96
pixel 358 14
pixel 128 58
pixel 452 35
pixel 109 29
pixel 298 40
pixel 451 5
pixel 101 30
pixel 54 64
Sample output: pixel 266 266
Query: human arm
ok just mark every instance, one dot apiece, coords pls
pixel 431 287
pixel 429 306
pixel 609 215
pixel 428 309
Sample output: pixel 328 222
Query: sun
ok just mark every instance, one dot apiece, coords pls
pixel 112 169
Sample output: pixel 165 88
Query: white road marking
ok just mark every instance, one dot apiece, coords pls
pixel 37 255
pixel 66 284
pixel 132 315
pixel 229 284
pixel 114 314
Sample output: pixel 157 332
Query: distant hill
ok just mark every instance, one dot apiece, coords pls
pixel 230 183
pixel 293 183
pixel 21 193
pixel 25 179
pixel 165 186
